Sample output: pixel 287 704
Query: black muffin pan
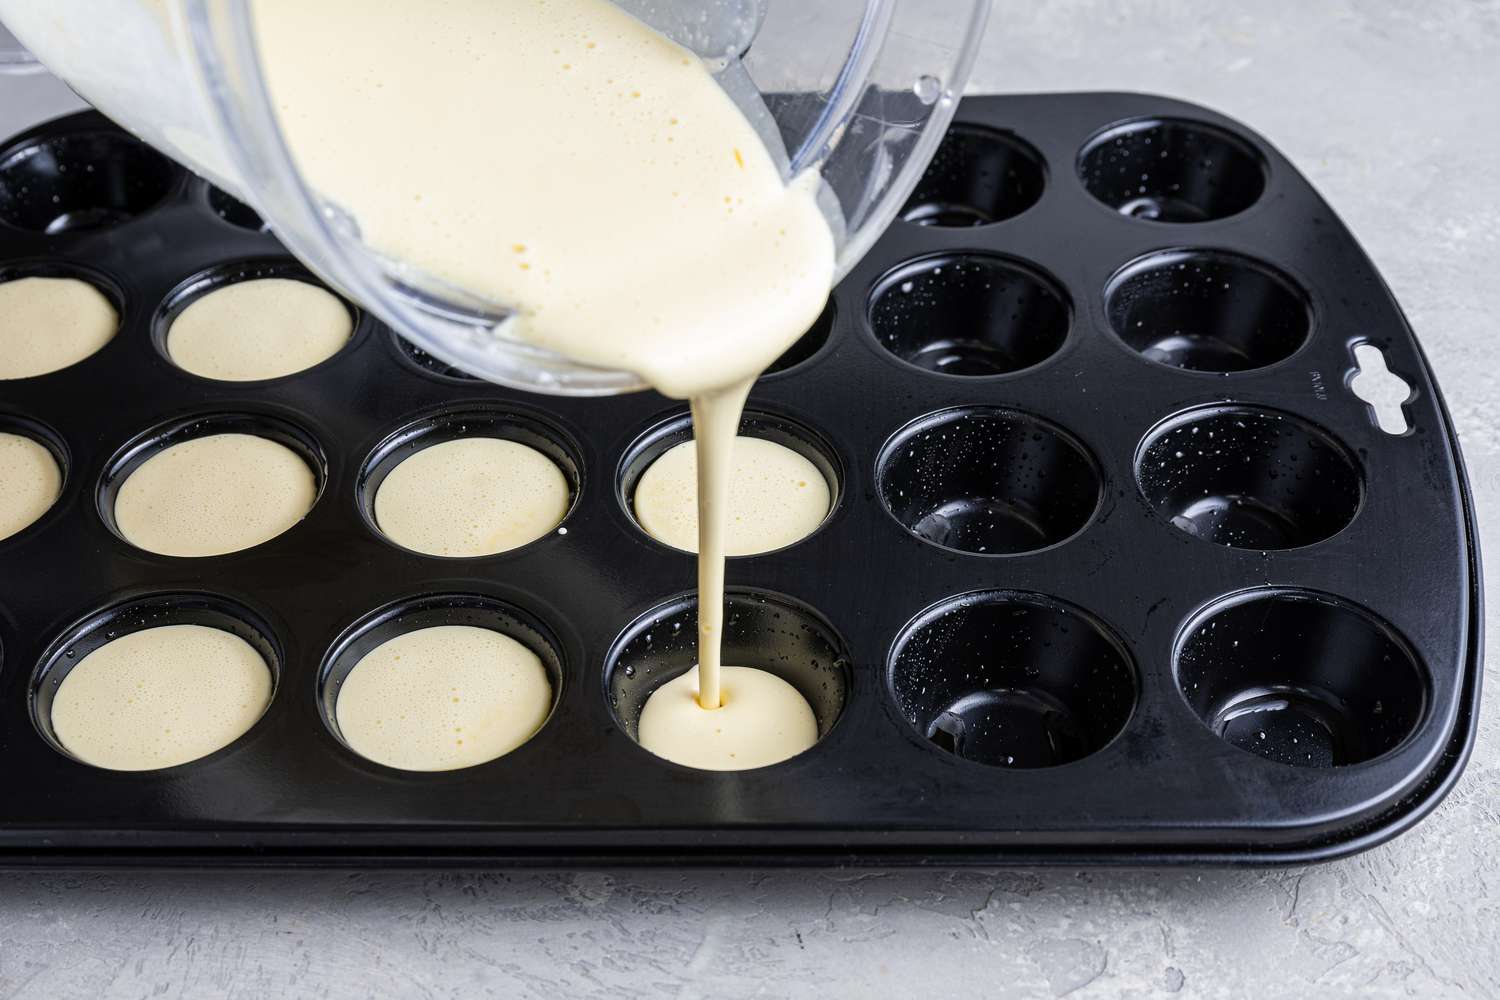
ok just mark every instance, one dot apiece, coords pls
pixel 1120 568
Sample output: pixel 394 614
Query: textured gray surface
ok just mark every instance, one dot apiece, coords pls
pixel 1390 108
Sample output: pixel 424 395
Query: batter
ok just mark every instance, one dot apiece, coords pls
pixel 443 698
pixel 215 494
pixel 259 329
pixel 30 482
pixel 761 720
pixel 776 497
pixel 471 497
pixel 646 225
pixel 50 323
pixel 642 224
pixel 160 697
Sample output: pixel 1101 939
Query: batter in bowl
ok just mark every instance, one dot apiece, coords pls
pixel 30 482
pixel 442 698
pixel 471 497
pixel 215 494
pixel 647 226
pixel 47 324
pixel 160 697
pixel 259 329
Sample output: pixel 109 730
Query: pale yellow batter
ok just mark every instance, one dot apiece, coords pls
pixel 443 698
pixel 214 494
pixel 776 497
pixel 628 211
pixel 471 497
pixel 160 697
pixel 626 206
pixel 259 329
pixel 761 720
pixel 30 482
pixel 51 323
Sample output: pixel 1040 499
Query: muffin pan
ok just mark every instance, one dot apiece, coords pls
pixel 1120 568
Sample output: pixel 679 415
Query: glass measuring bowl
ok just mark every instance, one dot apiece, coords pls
pixel 860 91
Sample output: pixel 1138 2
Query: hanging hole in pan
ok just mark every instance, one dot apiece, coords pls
pixel 1383 390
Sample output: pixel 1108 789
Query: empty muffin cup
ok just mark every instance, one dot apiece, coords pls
pixel 1012 679
pixel 788 492
pixel 440 682
pixel 1172 170
pixel 211 485
pixel 988 481
pixel 808 345
pixel 234 211
pixel 969 314
pixel 156 681
pixel 769 632
pixel 1249 478
pixel 428 364
pixel 1208 311
pixel 979 176
pixel 86 180
pixel 470 481
pixel 1300 678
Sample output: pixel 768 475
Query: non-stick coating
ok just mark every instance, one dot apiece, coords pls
pixel 1166 788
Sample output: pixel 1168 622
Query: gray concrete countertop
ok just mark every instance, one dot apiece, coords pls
pixel 1390 107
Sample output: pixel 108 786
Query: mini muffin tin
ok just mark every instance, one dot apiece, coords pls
pixel 1119 568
